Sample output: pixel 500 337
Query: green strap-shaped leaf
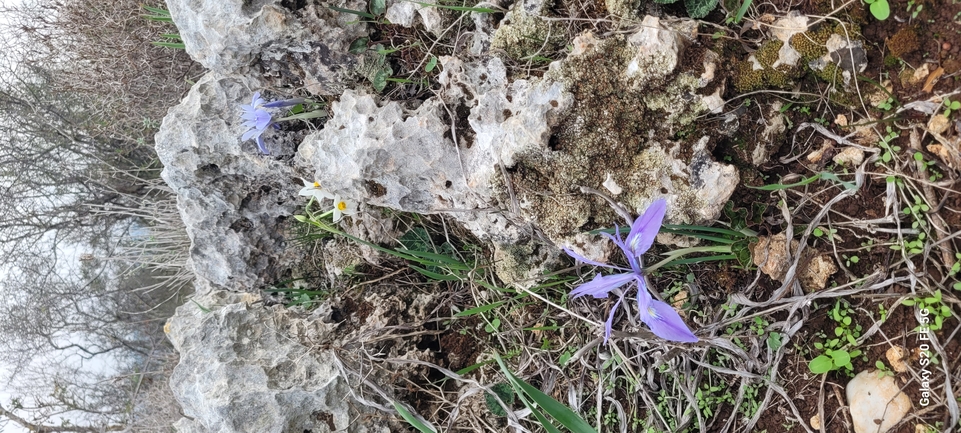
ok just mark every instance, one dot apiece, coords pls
pixel 412 420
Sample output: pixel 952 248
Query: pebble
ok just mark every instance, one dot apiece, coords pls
pixel 896 356
pixel 876 402
pixel 849 157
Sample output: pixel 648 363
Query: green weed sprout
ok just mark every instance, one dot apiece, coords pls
pixel 879 8
pixel 838 351
pixel 933 311
pixel 951 106
pixel 169 40
pixel 543 406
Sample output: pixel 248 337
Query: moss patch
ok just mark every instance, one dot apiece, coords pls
pixel 613 128
pixel 522 35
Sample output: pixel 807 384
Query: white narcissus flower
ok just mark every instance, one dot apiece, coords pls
pixel 343 207
pixel 312 189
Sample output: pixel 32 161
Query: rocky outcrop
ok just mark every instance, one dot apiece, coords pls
pixel 523 149
pixel 244 368
pixel 232 199
pixel 310 43
pixel 505 158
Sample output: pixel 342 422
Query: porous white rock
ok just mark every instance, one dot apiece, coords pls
pixel 232 199
pixel 450 154
pixel 876 402
pixel 243 370
pixel 408 14
pixel 227 36
pixel 658 49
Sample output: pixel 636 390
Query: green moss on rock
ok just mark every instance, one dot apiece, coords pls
pixel 522 35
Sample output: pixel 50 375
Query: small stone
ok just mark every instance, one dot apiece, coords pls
pixel 815 275
pixel 876 402
pixel 678 302
pixel 952 159
pixel 938 124
pixel 841 120
pixel 849 157
pixel 919 74
pixel 816 422
pixel 896 356
pixel 769 254
pixel 816 156
pixel 612 186
pixel 946 46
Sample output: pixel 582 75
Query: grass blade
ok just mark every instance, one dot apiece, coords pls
pixel 779 186
pixel 564 415
pixel 457 8
pixel 481 309
pixel 412 420
pixel 351 11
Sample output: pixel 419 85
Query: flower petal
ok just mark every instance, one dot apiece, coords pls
pixel 610 320
pixel 666 323
pixel 645 227
pixel 261 145
pixel 285 103
pixel 601 285
pixel 583 259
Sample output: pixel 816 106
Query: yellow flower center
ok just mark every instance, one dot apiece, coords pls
pixel 316 184
pixel 341 206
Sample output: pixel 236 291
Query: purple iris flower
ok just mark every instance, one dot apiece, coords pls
pixel 256 120
pixel 659 316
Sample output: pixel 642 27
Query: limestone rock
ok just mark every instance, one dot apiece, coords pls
pixel 242 370
pixel 898 357
pixel 524 33
pixel 849 157
pixel 228 36
pixel 657 49
pixel 408 14
pixel 876 402
pixel 770 255
pixel 938 124
pixel 232 199
pixel 452 152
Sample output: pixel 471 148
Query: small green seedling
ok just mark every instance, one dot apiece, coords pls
pixel 885 144
pixel 887 104
pixel 917 6
pixel 883 370
pixel 838 351
pixel 933 312
pixel 879 8
pixel 951 106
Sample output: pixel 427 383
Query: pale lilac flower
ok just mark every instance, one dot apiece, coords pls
pixel 658 315
pixel 256 120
